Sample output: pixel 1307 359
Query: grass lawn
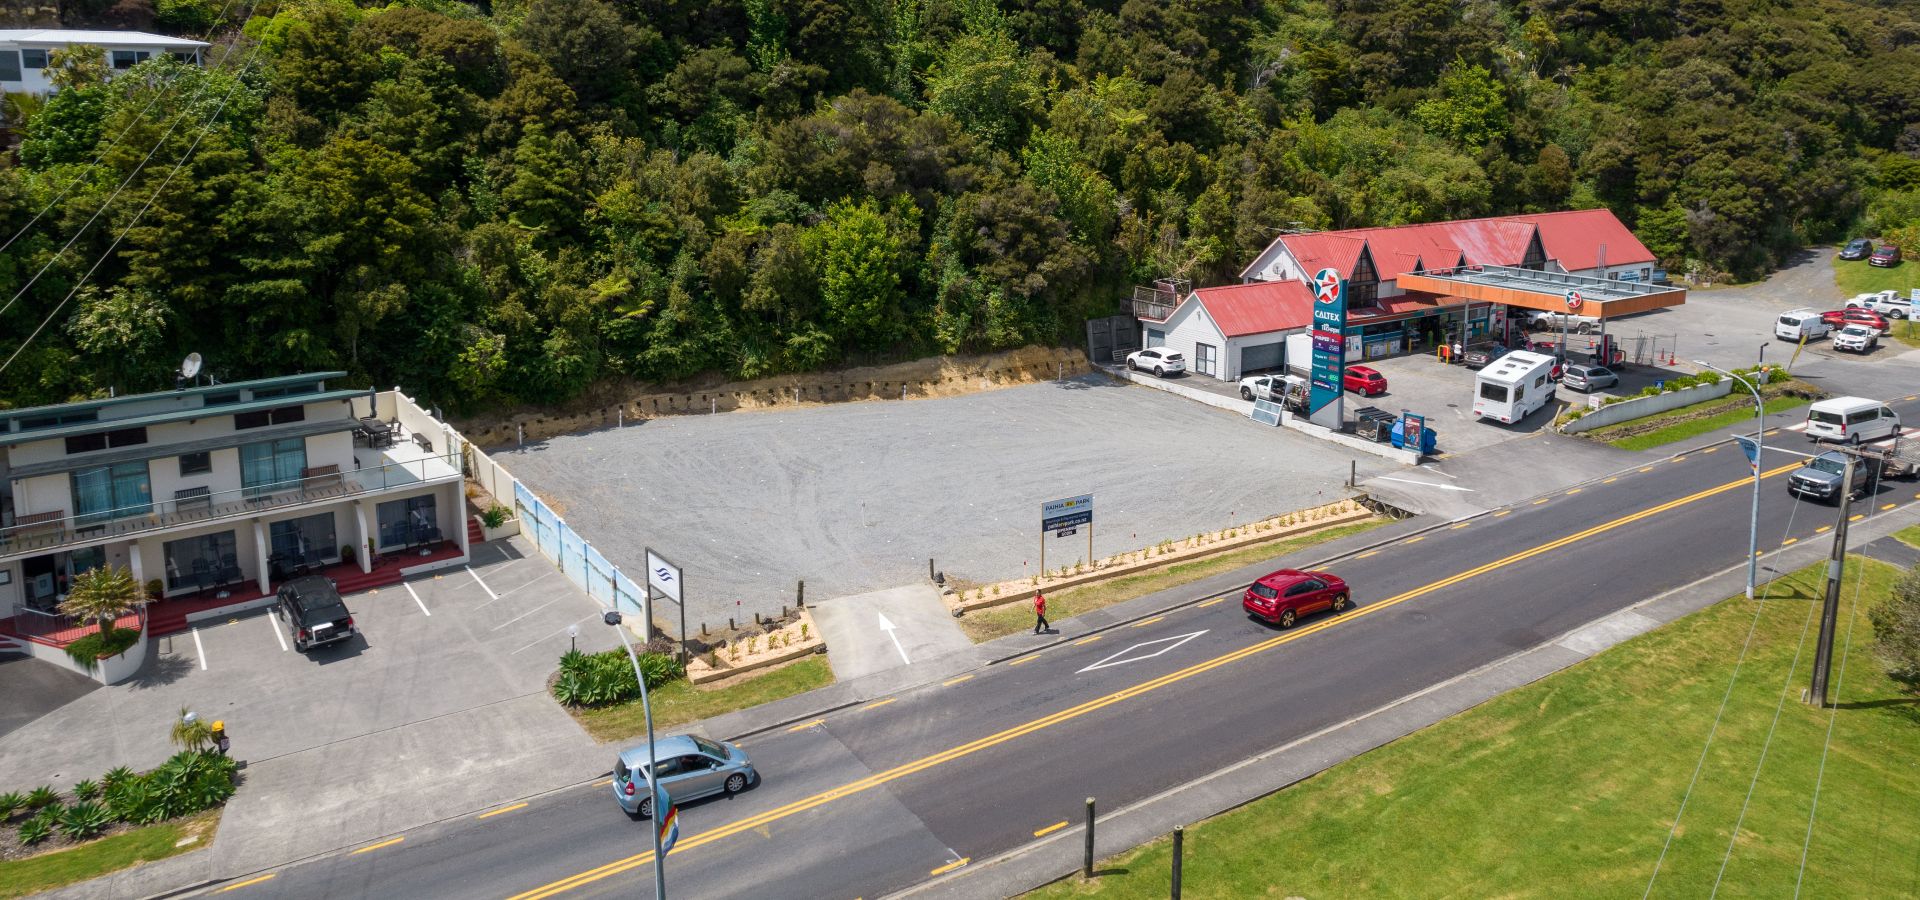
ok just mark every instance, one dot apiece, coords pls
pixel 681 702
pixel 1568 787
pixel 21 877
pixel 987 624
pixel 1680 431
pixel 1860 278
pixel 1910 535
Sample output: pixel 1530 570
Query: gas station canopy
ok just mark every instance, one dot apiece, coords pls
pixel 1602 298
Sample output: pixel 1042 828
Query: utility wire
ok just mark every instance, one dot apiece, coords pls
pixel 238 83
pixel 137 117
pixel 108 203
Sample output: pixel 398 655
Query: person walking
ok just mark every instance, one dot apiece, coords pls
pixel 1040 613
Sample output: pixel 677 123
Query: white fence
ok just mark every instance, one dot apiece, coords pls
pixel 1637 407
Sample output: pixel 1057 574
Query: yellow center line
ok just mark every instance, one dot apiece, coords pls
pixel 1912 397
pixel 1213 601
pixel 1074 712
pixel 952 682
pixel 1366 554
pixel 1024 660
pixel 1611 480
pixel 235 887
pixel 503 809
pixel 878 703
pixel 1050 829
pixel 1772 431
pixel 951 866
pixel 1502 513
pixel 378 846
pixel 806 725
pixel 1086 640
pixel 1145 622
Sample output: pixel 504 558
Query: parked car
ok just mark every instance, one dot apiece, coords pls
pixel 1823 475
pixel 1283 597
pixel 1858 338
pixel 1888 255
pixel 1802 323
pixel 690 767
pixel 1553 321
pixel 1589 378
pixel 1858 248
pixel 1851 419
pixel 1268 387
pixel 314 612
pixel 1364 380
pixel 1158 360
pixel 1889 303
pixel 1478 357
pixel 1840 318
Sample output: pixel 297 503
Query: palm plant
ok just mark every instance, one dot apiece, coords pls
pixel 86 790
pixel 10 803
pixel 42 797
pixel 103 595
pixel 191 733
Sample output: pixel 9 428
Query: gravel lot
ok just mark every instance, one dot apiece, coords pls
pixel 856 497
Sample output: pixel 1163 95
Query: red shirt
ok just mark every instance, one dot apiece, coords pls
pixel 1039 604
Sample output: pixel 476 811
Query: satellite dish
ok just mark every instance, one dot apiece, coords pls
pixel 190 366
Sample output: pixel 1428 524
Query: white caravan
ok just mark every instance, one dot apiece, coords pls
pixel 1513 386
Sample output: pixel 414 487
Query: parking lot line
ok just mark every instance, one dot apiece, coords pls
pixel 483 585
pixel 201 652
pixel 504 809
pixel 529 612
pixel 235 887
pixel 543 638
pixel 416 597
pixel 517 588
pixel 273 622
pixel 386 843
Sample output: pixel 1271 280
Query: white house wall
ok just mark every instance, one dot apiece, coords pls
pixel 1188 326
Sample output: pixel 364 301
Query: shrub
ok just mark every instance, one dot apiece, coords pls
pixel 84 820
pixel 116 775
pixel 601 678
pixel 155 588
pixel 42 797
pixel 189 782
pixel 89 650
pixel 1896 627
pixel 495 516
pixel 86 790
pixel 35 830
pixel 10 803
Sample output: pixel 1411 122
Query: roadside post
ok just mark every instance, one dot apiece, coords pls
pixel 1753 450
pixel 664 576
pixel 1830 607
pixel 1179 841
pixel 654 793
pixel 1063 518
pixel 1086 868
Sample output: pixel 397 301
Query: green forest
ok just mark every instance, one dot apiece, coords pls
pixel 512 204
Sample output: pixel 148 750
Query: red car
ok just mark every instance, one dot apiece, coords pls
pixel 1283 597
pixel 1365 381
pixel 1856 315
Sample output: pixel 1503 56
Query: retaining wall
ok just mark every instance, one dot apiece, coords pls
pixel 1639 407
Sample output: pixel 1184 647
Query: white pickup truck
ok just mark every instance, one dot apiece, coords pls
pixel 1888 303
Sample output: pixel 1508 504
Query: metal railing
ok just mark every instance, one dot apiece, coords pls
pixel 216 505
pixel 1158 302
pixel 60 628
pixel 1544 278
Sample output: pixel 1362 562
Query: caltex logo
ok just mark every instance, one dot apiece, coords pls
pixel 1326 286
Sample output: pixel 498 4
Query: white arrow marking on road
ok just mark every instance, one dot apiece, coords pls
pixel 888 627
pixel 1115 660
pixel 1444 487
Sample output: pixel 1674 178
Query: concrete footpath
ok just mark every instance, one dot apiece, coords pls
pixel 1059 855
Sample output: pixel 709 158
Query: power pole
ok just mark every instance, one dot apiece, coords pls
pixel 1830 609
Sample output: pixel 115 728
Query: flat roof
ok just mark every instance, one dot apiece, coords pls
pixel 96 38
pixel 7 415
pixel 172 415
pixel 1534 289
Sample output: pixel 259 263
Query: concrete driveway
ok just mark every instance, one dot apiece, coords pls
pixel 438 707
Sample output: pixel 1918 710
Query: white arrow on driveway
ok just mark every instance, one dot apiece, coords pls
pixel 1171 642
pixel 888 627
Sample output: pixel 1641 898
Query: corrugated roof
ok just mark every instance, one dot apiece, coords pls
pixel 1257 308
pixel 1324 249
pixel 1573 237
pixel 96 38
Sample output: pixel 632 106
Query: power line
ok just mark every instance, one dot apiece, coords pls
pixel 238 83
pixel 108 203
pixel 137 117
pixel 1765 746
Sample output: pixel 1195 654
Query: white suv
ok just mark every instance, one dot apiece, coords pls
pixel 1858 338
pixel 1158 360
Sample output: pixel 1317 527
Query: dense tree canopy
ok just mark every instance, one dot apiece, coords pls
pixel 507 203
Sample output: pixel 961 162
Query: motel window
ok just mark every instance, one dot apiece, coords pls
pixel 272 465
pixel 127 59
pixel 196 463
pixel 111 492
pixel 33 59
pixel 262 418
pixel 9 65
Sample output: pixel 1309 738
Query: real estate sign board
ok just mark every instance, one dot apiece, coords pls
pixel 1329 349
pixel 1056 515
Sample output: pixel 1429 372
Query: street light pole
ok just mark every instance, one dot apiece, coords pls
pixel 612 617
pixel 1759 437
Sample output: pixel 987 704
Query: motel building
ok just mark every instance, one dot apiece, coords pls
pixel 26 54
pixel 1409 288
pixel 219 493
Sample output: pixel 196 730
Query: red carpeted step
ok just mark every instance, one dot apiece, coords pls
pixel 474 534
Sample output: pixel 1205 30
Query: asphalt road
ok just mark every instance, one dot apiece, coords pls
pixel 881 797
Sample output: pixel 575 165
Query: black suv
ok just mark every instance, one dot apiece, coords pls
pixel 315 612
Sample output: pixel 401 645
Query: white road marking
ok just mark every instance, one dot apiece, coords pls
pixel 416 597
pixel 273 620
pixel 528 612
pixel 510 591
pixel 1444 487
pixel 1429 467
pixel 560 630
pixel 1171 642
pixel 483 585
pixel 199 651
pixel 888 627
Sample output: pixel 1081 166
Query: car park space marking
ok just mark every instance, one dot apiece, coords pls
pixel 1145 622
pixel 482 584
pixel 416 597
pixel 1118 659
pixel 952 865
pixel 1087 640
pixel 878 703
pixel 1074 712
pixel 557 598
pixel 516 588
pixel 1223 599
pixel 543 638
pixel 502 810
pixel 234 887
pixel 199 650
pixel 953 681
pixel 1050 829
pixel 371 847
pixel 273 622
pixel 806 725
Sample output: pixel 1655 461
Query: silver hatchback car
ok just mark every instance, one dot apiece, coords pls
pixel 691 767
pixel 1589 378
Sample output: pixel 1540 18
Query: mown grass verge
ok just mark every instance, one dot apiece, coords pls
pixel 1681 430
pixel 24 877
pixel 1568 787
pixel 679 702
pixel 1860 278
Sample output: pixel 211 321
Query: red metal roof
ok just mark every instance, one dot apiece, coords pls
pixel 1337 250
pixel 1573 237
pixel 1257 308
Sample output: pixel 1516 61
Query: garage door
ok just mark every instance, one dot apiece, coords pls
pixel 1262 356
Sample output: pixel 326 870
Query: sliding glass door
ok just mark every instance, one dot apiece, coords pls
pixel 271 466
pixel 111 492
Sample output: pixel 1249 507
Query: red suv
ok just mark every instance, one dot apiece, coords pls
pixel 1364 381
pixel 1284 596
pixel 1855 315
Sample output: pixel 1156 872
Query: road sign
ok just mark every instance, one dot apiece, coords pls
pixel 1066 532
pixel 1058 514
pixel 1752 449
pixel 663 576
pixel 1573 300
pixel 1329 348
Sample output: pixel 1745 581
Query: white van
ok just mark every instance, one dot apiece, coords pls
pixel 1513 386
pixel 1800 323
pixel 1851 419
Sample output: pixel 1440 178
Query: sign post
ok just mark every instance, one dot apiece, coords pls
pixel 1573 305
pixel 1324 400
pixel 664 576
pixel 1062 517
